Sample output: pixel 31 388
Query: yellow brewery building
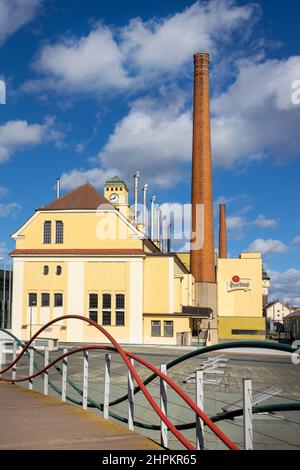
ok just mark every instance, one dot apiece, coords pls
pixel 87 254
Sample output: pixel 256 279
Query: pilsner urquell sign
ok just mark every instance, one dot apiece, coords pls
pixel 238 283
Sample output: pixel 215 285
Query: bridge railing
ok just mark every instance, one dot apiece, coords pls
pixel 134 385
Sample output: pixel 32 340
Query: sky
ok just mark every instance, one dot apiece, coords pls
pixel 95 89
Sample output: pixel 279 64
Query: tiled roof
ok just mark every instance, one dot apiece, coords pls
pixel 86 197
pixel 78 252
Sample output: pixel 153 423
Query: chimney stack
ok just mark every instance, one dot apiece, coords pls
pixel 202 259
pixel 222 232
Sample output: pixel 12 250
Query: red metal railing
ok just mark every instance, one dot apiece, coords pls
pixel 126 356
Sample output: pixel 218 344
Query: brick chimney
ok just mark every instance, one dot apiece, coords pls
pixel 222 232
pixel 202 259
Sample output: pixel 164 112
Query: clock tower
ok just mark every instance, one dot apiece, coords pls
pixel 116 192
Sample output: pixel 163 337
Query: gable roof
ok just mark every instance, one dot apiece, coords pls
pixel 84 197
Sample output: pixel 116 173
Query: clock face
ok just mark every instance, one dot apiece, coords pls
pixel 113 198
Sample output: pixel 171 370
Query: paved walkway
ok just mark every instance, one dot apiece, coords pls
pixel 30 420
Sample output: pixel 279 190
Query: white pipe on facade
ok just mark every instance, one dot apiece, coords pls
pixel 57 188
pixel 136 192
pixel 145 188
pixel 158 224
pixel 152 218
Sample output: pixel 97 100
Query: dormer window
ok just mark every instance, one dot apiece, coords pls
pixel 47 231
pixel 59 231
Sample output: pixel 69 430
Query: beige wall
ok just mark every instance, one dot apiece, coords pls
pixel 181 325
pixel 81 230
pixel 240 303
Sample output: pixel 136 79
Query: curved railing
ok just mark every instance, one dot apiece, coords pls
pixel 294 406
pixel 126 356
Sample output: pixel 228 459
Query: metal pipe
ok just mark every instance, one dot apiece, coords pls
pixel 57 188
pixel 136 193
pixel 152 218
pixel 145 188
pixel 3 297
pixel 158 224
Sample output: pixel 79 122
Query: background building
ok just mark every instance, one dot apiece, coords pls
pixel 276 311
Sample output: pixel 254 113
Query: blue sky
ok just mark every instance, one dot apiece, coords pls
pixel 98 88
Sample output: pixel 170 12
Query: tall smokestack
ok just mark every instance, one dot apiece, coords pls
pixel 202 259
pixel 222 232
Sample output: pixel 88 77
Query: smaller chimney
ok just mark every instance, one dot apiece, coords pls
pixel 136 191
pixel 145 188
pixel 222 232
pixel 152 218
pixel 57 188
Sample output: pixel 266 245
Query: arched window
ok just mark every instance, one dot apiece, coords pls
pixel 58 270
pixel 59 232
pixel 47 231
pixel 46 270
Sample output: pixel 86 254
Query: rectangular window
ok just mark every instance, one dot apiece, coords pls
pixel 58 300
pixel 45 300
pixel 47 231
pixel 120 301
pixel 106 309
pixel 93 301
pixel 59 231
pixel 106 301
pixel 32 299
pixel 93 314
pixel 248 332
pixel 155 328
pixel 120 318
pixel 168 328
pixel 120 309
pixel 106 317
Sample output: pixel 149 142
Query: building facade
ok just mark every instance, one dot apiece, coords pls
pixel 80 255
pixel 276 311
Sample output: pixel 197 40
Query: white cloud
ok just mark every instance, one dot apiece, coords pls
pixel 267 246
pixel 133 55
pixel 167 44
pixel 92 63
pixel 255 117
pixel 286 286
pixel 263 222
pixel 11 209
pixel 17 135
pixel 3 251
pixel 14 14
pixel 75 178
pixel 155 137
pixel 3 191
pixel 297 239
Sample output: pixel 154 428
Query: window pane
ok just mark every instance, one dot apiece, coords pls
pixel 45 300
pixel 106 301
pixel 93 301
pixel 47 231
pixel 93 315
pixel 106 318
pixel 59 232
pixel 155 328
pixel 120 318
pixel 168 328
pixel 58 270
pixel 120 301
pixel 58 300
pixel 32 299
